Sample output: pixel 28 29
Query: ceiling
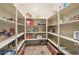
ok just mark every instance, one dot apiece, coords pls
pixel 37 10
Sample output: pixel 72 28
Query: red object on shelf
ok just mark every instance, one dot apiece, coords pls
pixel 30 23
pixel 29 36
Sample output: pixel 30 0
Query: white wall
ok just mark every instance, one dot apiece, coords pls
pixel 43 10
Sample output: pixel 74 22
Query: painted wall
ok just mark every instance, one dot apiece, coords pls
pixel 41 10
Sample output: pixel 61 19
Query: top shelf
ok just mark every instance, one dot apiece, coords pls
pixel 9 22
pixel 6 21
pixel 69 22
pixel 8 7
pixel 66 10
pixel 70 8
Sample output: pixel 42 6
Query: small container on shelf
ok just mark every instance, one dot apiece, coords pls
pixel 35 29
pixel 12 30
pixel 11 19
pixel 76 35
pixel 39 36
pixel 6 33
pixel 52 30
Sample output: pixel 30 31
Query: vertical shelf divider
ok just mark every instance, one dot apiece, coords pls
pixel 58 28
pixel 25 28
pixel 46 28
pixel 16 29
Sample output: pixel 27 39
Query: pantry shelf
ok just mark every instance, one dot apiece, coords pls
pixel 62 50
pixel 65 26
pixel 6 21
pixel 69 22
pixel 7 41
pixel 35 28
pixel 53 25
pixel 65 37
pixel 20 44
pixel 20 34
pixel 35 32
pixel 53 34
pixel 68 38
pixel 9 8
pixel 20 24
pixel 37 39
pixel 70 8
pixel 50 40
pixel 12 26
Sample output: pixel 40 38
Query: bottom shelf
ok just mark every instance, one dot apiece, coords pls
pixel 37 39
pixel 53 42
pixel 60 48
pixel 8 50
pixel 71 47
pixel 20 44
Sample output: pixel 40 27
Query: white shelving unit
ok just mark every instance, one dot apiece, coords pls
pixel 65 29
pixel 64 37
pixel 62 25
pixel 7 41
pixel 6 21
pixel 60 48
pixel 19 46
pixel 8 10
pixel 53 34
pixel 20 34
pixel 74 21
pixel 20 24
pixel 30 30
